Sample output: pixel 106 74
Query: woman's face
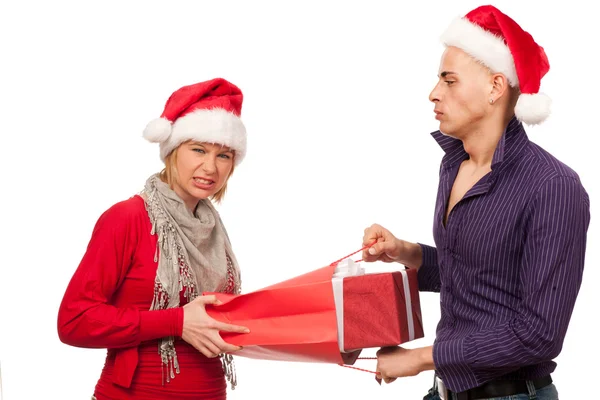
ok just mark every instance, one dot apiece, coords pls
pixel 202 170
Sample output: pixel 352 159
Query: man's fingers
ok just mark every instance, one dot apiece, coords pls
pixel 378 379
pixel 385 250
pixel 383 376
pixel 368 257
pixel 378 374
pixel 371 234
pixel 379 248
pixel 375 250
pixel 386 350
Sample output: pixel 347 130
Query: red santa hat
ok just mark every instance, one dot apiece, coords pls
pixel 206 112
pixel 502 45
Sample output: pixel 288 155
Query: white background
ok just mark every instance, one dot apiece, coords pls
pixel 338 118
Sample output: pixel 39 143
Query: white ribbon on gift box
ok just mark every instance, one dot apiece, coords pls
pixel 347 268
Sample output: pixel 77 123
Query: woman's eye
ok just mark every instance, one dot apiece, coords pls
pixel 199 151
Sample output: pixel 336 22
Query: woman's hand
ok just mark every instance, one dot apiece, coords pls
pixel 202 331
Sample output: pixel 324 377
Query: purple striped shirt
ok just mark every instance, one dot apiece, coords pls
pixel 508 264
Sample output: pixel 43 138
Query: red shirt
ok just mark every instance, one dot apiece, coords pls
pixel 106 305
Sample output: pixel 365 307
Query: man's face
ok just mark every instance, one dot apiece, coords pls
pixel 461 96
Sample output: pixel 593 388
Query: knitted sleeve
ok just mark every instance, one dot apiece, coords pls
pixel 86 317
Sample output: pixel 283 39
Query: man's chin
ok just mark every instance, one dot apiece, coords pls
pixel 446 129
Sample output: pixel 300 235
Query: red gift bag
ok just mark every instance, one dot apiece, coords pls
pixel 296 320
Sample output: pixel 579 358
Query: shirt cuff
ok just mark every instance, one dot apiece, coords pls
pixel 452 360
pixel 161 323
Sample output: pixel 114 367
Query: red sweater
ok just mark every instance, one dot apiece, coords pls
pixel 106 305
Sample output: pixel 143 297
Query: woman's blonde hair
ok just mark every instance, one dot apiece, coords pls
pixel 169 174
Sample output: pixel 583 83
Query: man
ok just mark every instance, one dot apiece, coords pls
pixel 510 224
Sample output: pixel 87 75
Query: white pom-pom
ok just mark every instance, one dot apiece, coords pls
pixel 158 130
pixel 533 109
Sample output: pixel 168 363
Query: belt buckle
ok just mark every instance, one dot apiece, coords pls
pixel 441 389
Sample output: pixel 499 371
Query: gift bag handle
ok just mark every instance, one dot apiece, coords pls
pixel 351 254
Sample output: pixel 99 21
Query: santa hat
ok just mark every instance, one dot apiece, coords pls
pixel 502 45
pixel 206 112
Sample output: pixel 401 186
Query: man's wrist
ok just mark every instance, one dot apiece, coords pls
pixel 411 254
pixel 426 358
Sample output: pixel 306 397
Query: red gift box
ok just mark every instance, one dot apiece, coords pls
pixel 376 310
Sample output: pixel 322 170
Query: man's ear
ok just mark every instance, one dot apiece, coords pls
pixel 500 87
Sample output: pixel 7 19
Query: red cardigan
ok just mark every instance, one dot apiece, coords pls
pixel 107 300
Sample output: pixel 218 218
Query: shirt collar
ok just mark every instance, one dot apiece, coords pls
pixel 511 143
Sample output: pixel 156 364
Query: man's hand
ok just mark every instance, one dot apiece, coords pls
pixel 387 249
pixel 397 362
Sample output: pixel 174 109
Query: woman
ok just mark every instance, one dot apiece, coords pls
pixel 138 289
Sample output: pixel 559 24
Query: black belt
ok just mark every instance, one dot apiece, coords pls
pixel 501 388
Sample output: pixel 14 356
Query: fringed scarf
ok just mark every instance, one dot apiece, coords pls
pixel 193 254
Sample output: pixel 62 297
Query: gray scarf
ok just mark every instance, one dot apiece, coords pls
pixel 193 251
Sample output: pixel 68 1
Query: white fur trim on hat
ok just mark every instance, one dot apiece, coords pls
pixel 482 45
pixel 210 126
pixel 157 130
pixel 533 108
